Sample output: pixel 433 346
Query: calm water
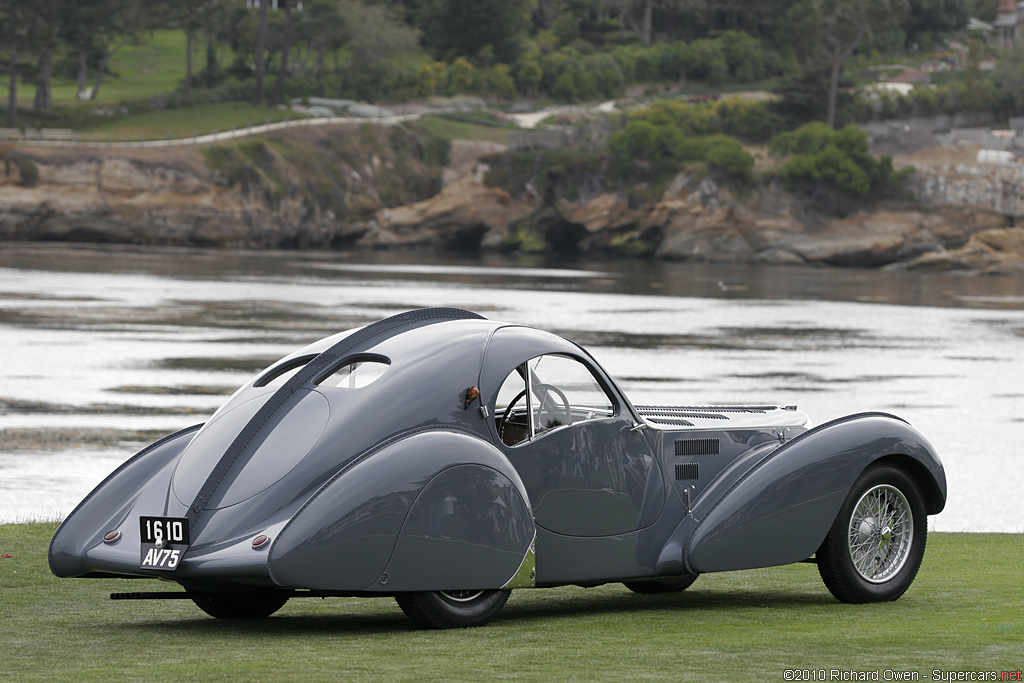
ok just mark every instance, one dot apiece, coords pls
pixel 101 344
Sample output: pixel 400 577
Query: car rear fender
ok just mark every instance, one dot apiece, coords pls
pixel 777 508
pixel 75 547
pixel 374 526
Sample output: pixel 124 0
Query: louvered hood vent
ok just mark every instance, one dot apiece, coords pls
pixel 698 446
pixel 687 470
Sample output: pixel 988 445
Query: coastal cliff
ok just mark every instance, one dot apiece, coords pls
pixel 361 187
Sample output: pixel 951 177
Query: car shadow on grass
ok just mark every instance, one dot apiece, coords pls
pixel 542 605
pixel 692 602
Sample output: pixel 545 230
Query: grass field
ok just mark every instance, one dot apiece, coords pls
pixel 186 122
pixel 965 612
pixel 155 67
pixel 461 130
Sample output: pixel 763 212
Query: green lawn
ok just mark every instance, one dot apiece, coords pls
pixel 462 130
pixel 186 121
pixel 965 612
pixel 155 67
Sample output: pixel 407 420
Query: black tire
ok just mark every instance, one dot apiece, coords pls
pixel 240 605
pixel 452 609
pixel 876 544
pixel 673 585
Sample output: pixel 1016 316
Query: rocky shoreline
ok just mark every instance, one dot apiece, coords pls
pixel 178 200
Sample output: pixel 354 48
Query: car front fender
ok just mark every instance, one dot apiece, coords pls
pixel 778 508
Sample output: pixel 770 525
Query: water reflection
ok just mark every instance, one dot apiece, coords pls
pixel 134 340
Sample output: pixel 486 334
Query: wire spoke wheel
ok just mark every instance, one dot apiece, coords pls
pixel 881 533
pixel 876 543
pixel 461 596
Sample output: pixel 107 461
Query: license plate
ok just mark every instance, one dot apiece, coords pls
pixel 164 541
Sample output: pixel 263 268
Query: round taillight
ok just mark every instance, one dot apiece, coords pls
pixel 260 541
pixel 111 536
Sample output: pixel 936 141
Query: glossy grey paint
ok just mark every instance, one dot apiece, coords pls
pixel 344 537
pixel 777 508
pixel 384 488
pixel 73 548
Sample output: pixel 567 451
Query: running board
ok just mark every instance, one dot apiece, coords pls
pixel 182 595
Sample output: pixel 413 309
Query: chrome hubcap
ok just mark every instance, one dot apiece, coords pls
pixel 880 534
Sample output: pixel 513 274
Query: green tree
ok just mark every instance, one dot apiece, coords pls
pixel 529 74
pixel 192 15
pixel 804 95
pixel 282 68
pixel 14 37
pixel 927 19
pixel 453 28
pixel 375 37
pixel 831 30
pixel 112 25
pixel 1010 77
pixel 45 26
pixel 322 29
pixel 261 42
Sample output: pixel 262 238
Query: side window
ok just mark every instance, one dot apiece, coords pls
pixel 566 392
pixel 511 412
pixel 548 392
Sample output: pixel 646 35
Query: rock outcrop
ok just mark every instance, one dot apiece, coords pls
pixel 460 217
pixel 181 200
pixel 998 251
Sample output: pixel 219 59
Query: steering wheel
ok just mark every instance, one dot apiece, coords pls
pixel 548 389
pixel 545 399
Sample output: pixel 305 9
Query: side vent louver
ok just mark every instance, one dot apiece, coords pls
pixel 697 446
pixel 687 470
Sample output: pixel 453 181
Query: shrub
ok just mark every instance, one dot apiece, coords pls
pixel 727 155
pixel 809 138
pixel 829 165
pixel 462 76
pixel 661 149
pixel 432 79
pixel 28 172
pixel 709 62
pixel 528 74
pixel 840 158
pixel 606 74
pixel 500 81
pixel 564 87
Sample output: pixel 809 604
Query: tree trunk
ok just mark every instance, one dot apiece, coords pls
pixel 646 32
pixel 833 89
pixel 12 92
pixel 261 40
pixel 189 34
pixel 83 69
pixel 282 72
pixel 99 74
pixel 43 99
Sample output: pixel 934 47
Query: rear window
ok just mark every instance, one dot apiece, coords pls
pixel 355 375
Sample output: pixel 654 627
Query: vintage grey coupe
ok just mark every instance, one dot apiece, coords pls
pixel 445 459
